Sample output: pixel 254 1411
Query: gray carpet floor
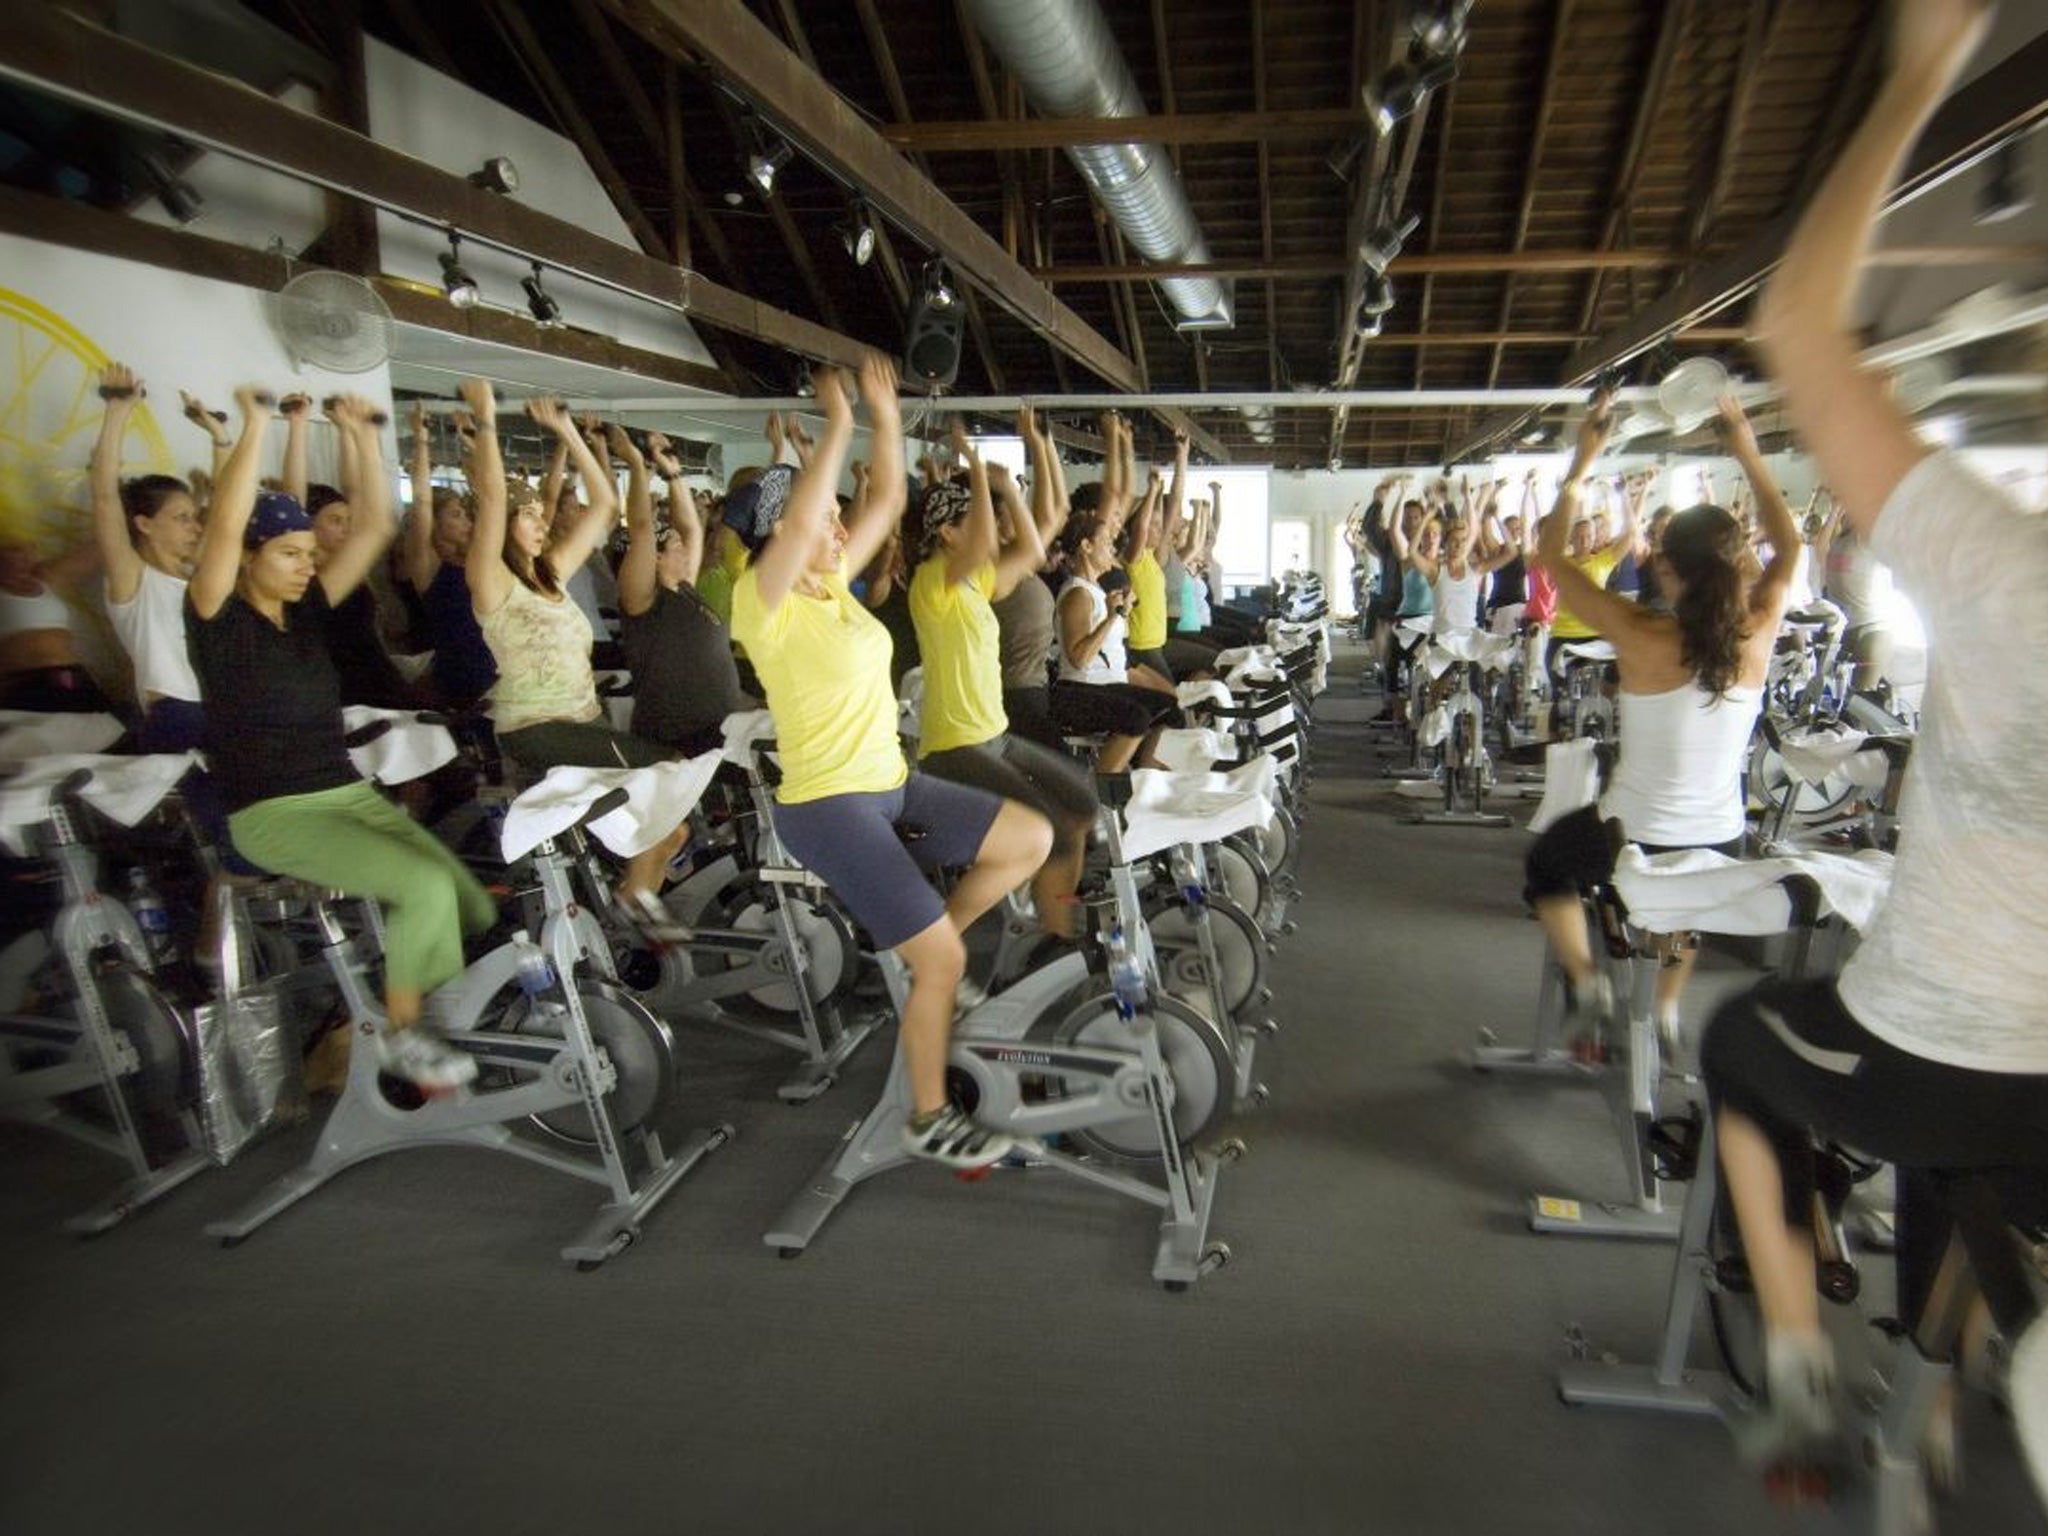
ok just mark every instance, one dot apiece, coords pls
pixel 405 1353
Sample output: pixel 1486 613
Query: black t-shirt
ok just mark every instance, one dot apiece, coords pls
pixel 365 668
pixel 684 679
pixel 463 667
pixel 273 700
pixel 1510 585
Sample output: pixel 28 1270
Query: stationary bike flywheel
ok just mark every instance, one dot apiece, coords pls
pixel 1197 1058
pixel 642 1051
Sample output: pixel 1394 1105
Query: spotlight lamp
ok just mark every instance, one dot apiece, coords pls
pixel 1383 244
pixel 857 233
pixel 938 288
pixel 806 386
pixel 767 153
pixel 2004 192
pixel 1370 325
pixel 497 175
pixel 1378 295
pixel 180 199
pixel 546 312
pixel 456 283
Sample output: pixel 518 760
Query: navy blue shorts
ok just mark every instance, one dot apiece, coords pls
pixel 852 844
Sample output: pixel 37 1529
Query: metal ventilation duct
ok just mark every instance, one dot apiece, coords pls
pixel 1067 61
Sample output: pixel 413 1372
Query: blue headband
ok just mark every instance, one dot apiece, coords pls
pixel 276 514
pixel 753 510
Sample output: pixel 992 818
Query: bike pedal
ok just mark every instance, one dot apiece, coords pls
pixel 974 1175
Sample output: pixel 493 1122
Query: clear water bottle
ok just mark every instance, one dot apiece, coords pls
pixel 150 914
pixel 1126 975
pixel 536 975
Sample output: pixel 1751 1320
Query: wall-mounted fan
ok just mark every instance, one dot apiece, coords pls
pixel 333 321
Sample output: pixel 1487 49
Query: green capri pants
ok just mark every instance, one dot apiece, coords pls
pixel 355 841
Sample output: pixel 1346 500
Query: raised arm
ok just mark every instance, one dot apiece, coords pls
pixel 490 579
pixel 1607 614
pixel 636 571
pixel 297 411
pixel 1624 539
pixel 1767 597
pixel 1169 526
pixel 1215 529
pixel 686 526
pixel 417 553
pixel 979 542
pixel 782 561
pixel 888 485
pixel 234 498
pixel 368 494
pixel 213 423
pixel 557 475
pixel 121 389
pixel 1023 550
pixel 597 520
pixel 1844 414
pixel 1116 490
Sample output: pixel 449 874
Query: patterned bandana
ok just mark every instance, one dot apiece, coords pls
pixel 945 503
pixel 755 508
pixel 276 514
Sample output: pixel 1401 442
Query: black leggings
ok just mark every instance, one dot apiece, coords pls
pixel 1792 1058
pixel 1115 709
pixel 1574 854
pixel 1017 768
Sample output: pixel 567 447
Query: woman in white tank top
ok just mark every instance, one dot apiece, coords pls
pixel 1456 575
pixel 1691 685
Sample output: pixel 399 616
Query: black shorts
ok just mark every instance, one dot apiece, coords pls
pixel 1112 709
pixel 851 843
pixel 580 744
pixel 1574 855
pixel 1050 782
pixel 1155 659
pixel 1792 1058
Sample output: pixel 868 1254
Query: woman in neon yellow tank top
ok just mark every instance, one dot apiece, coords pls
pixel 847 800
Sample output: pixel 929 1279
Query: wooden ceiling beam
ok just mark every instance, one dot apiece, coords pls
pixel 533 58
pixel 56 53
pixel 1757 36
pixel 1436 217
pixel 828 129
pixel 1491 263
pixel 1168 127
pixel 1265 193
pixel 2008 98
pixel 1546 105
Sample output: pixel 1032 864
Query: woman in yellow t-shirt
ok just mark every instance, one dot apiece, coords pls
pixel 847 800
pixel 964 565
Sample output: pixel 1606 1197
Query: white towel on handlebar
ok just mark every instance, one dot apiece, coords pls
pixel 1813 755
pixel 1492 652
pixel 742 730
pixel 126 789
pixel 1168 809
pixel 26 735
pixel 1189 751
pixel 657 800
pixel 1207 691
pixel 1697 888
pixel 1571 780
pixel 411 749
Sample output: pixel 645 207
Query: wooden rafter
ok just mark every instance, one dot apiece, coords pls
pixel 794 245
pixel 1663 56
pixel 1169 127
pixel 1265 194
pixel 1546 105
pixel 1757 35
pixel 548 83
pixel 1436 218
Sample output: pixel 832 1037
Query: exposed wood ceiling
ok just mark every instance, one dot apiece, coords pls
pixel 1577 129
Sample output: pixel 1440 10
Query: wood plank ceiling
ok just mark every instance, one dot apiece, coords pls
pixel 1668 127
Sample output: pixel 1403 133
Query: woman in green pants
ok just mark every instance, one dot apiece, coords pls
pixel 256 617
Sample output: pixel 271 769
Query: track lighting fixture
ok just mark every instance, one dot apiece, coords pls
pixel 2004 192
pixel 180 199
pixel 1370 324
pixel 1437 37
pixel 546 312
pixel 1378 295
pixel 456 283
pixel 938 290
pixel 498 175
pixel 806 386
pixel 767 153
pixel 857 232
pixel 1383 244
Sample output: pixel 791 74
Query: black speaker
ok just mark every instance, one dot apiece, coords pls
pixel 931 345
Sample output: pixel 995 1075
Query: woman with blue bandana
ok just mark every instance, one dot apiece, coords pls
pixel 848 807
pixel 257 615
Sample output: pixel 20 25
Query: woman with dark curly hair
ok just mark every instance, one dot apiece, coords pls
pixel 1691 686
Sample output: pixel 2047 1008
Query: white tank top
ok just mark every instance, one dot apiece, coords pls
pixel 151 629
pixel 1679 780
pixel 43 609
pixel 1457 601
pixel 1109 664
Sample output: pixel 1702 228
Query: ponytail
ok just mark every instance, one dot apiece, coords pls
pixel 1704 545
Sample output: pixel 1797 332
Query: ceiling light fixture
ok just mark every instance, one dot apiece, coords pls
pixel 1378 295
pixel 498 175
pixel 806 386
pixel 938 290
pixel 767 153
pixel 857 232
pixel 457 284
pixel 180 199
pixel 1383 244
pixel 546 312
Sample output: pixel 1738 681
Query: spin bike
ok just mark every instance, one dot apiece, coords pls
pixel 574 1074
pixel 115 1065
pixel 1125 1076
pixel 1463 763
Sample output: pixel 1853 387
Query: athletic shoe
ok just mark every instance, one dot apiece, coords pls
pixel 951 1138
pixel 421 1057
pixel 1589 1017
pixel 653 921
pixel 1795 1428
